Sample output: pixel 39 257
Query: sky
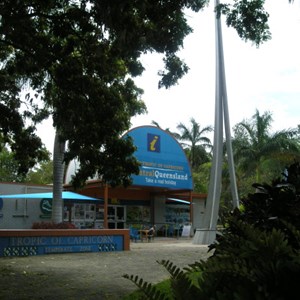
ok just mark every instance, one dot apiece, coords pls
pixel 265 78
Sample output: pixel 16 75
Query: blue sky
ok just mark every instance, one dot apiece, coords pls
pixel 265 78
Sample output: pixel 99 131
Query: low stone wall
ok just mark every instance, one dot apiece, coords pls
pixel 50 241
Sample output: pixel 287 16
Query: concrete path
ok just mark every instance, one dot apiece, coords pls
pixel 93 275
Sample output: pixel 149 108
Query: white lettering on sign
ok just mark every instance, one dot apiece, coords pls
pixel 27 241
pixel 56 240
pixel 176 176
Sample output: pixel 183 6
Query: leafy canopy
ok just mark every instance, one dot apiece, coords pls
pixel 254 145
pixel 76 60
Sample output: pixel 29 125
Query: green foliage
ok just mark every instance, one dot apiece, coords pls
pixel 249 18
pixel 250 263
pixel 181 286
pixel 257 255
pixel 195 142
pixel 163 287
pixel 149 291
pixel 201 178
pixel 276 203
pixel 43 174
pixel 261 243
pixel 9 167
pixel 260 153
pixel 78 60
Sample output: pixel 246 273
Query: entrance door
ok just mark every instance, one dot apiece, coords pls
pixel 116 216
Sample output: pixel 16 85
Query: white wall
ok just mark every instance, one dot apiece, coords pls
pixel 20 213
pixel 198 212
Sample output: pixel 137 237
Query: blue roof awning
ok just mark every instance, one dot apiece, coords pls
pixel 66 195
pixel 179 201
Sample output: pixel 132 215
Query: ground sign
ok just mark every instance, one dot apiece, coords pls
pixel 39 242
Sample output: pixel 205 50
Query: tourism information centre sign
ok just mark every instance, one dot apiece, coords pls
pixel 163 161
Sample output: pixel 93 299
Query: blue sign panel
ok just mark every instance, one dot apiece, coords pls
pixel 163 161
pixel 38 245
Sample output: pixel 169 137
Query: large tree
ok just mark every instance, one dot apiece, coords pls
pixel 77 59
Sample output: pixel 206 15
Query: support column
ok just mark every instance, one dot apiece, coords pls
pixel 105 206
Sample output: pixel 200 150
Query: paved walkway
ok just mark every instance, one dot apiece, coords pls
pixel 93 275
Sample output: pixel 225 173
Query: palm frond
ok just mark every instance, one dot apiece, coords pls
pixel 150 291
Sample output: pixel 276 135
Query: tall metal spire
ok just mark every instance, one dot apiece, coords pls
pixel 207 234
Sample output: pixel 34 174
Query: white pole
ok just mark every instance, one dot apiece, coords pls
pixel 221 70
pixel 207 234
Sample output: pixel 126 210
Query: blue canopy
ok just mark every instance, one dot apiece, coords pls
pixel 65 195
pixel 179 200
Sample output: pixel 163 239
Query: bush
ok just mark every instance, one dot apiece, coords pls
pixel 51 225
pixel 257 256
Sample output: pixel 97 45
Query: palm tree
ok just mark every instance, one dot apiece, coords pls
pixel 255 147
pixel 194 140
pixel 58 174
pixel 167 129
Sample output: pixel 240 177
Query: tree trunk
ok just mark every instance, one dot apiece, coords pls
pixel 58 175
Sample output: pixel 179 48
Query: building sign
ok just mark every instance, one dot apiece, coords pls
pixel 163 161
pixel 46 206
pixel 153 142
pixel 39 245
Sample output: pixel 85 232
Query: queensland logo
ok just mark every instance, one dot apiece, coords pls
pixel 153 142
pixel 46 206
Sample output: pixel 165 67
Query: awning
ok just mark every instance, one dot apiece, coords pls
pixel 178 200
pixel 65 196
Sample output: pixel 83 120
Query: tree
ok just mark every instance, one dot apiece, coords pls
pixel 195 142
pixel 174 134
pixel 201 178
pixel 248 18
pixel 77 60
pixel 9 167
pixel 256 150
pixel 12 169
pixel 43 174
pixel 52 40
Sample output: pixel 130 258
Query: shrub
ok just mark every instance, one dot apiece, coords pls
pixel 51 225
